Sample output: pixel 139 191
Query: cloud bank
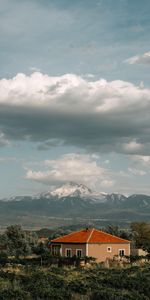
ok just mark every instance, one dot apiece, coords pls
pixel 70 110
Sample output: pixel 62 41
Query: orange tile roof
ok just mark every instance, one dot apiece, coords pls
pixel 74 237
pixel 89 236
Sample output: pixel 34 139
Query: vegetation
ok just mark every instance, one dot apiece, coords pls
pixel 18 241
pixel 141 235
pixel 35 283
pixel 44 277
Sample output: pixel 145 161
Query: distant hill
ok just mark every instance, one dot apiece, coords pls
pixel 44 232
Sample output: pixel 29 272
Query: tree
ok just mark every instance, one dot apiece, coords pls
pixel 17 241
pixel 141 235
pixel 32 239
pixel 112 229
pixel 41 249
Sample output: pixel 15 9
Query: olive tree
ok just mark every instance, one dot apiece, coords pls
pixel 19 242
pixel 141 235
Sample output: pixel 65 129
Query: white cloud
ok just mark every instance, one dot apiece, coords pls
pixel 132 147
pixel 144 159
pixel 43 91
pixel 141 160
pixel 107 183
pixel 69 109
pixel 106 161
pixel 139 59
pixel 139 165
pixel 137 172
pixel 3 140
pixel 34 69
pixel 73 167
pixel 88 75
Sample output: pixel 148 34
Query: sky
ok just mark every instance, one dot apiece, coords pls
pixel 74 95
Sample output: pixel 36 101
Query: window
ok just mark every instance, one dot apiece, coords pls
pixel 68 252
pixel 79 253
pixel 109 249
pixel 56 249
pixel 121 252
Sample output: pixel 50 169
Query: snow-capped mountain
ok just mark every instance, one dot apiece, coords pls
pixel 73 189
pixel 73 200
pixel 116 198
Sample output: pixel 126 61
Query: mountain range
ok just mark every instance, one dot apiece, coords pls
pixel 73 201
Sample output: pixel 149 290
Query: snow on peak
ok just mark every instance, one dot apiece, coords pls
pixel 71 189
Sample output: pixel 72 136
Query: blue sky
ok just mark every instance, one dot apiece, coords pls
pixel 74 95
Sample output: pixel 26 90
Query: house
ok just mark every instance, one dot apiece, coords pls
pixel 91 243
pixel 138 252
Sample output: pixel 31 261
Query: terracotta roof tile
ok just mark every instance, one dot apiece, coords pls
pixel 89 236
pixel 103 237
pixel 74 237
